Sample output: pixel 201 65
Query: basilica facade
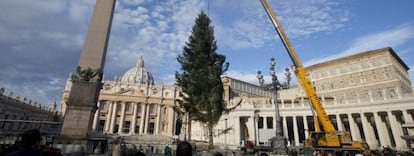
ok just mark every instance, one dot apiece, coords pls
pixel 132 105
pixel 369 94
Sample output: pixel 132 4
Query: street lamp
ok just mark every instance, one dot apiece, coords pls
pixel 278 142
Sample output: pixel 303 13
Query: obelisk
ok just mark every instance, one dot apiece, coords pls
pixel 86 82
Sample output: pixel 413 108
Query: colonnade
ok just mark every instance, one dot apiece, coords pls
pixel 377 129
pixel 116 117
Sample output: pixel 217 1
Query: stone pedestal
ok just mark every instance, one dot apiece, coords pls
pixel 81 107
pixel 279 146
pixel 76 135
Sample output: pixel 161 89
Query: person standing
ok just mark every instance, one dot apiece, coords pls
pixel 184 149
pixel 30 145
pixel 116 147
pixel 167 151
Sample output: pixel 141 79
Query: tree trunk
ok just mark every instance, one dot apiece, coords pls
pixel 189 127
pixel 210 136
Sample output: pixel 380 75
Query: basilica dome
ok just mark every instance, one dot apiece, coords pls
pixel 138 74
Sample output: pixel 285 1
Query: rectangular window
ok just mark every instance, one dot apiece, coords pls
pixel 342 99
pixel 151 128
pixel 374 77
pixel 366 95
pixel 392 93
pixel 103 105
pixel 139 108
pixel 152 110
pixel 371 63
pixel 362 80
pixel 126 127
pixel 353 97
pixel 116 129
pixel 101 125
pixel 383 60
pixel 119 108
pixel 351 82
pixel 378 93
pixel 128 107
pixel 269 122
pixel 260 123
pixel 387 76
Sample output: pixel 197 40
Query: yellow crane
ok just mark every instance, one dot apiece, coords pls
pixel 326 137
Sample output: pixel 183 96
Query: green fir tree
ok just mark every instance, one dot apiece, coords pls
pixel 200 77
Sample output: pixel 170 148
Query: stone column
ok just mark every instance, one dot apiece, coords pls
pixel 285 129
pixel 323 101
pixel 158 120
pixel 113 118
pixel 237 130
pixel 382 130
pixel 86 83
pixel 171 120
pixel 108 117
pixel 295 130
pixel 96 117
pixel 354 128
pixel 302 101
pixel 122 120
pixel 134 118
pixel 396 129
pixel 305 127
pixel 368 131
pixel 408 119
pixel 147 118
pixel 142 122
pixel 339 123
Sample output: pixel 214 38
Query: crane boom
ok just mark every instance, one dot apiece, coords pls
pixel 326 138
pixel 300 72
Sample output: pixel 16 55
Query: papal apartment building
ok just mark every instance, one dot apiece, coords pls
pixel 369 94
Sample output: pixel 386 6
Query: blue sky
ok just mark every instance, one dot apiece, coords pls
pixel 41 40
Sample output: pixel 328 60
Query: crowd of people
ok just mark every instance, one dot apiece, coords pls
pixel 29 144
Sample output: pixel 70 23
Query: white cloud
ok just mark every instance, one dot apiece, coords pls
pixel 251 27
pixel 390 38
pixel 133 2
pixel 304 18
pixel 155 31
pixel 80 10
pixel 393 38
